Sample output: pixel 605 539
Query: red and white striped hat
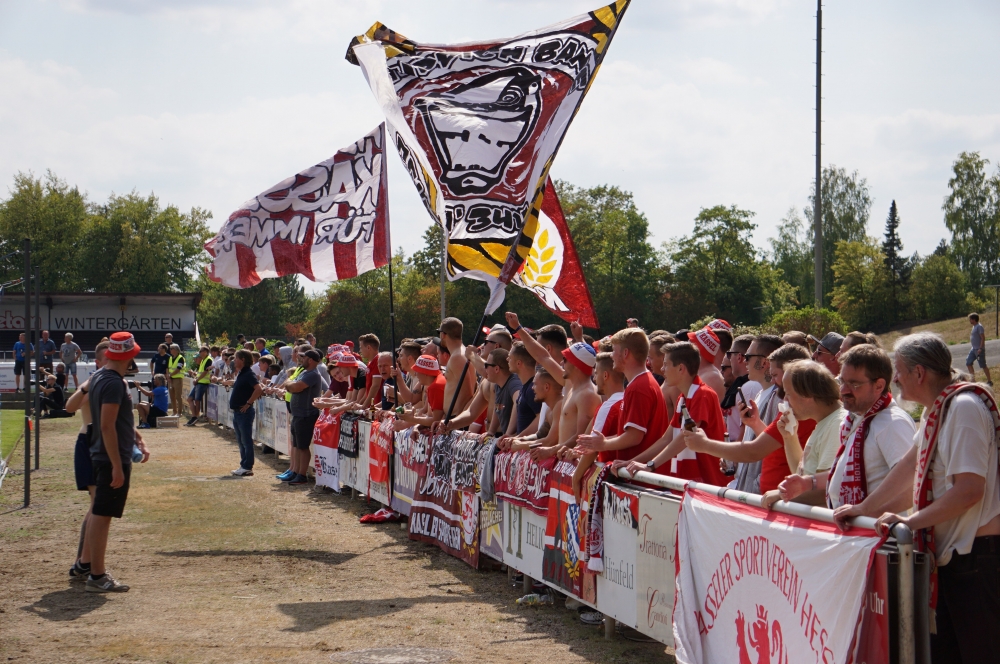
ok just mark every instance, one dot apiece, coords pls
pixel 706 342
pixel 427 365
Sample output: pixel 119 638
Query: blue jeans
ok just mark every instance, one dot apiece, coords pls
pixel 243 425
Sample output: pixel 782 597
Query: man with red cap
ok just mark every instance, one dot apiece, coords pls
pixel 707 343
pixel 428 372
pixel 112 442
pixel 582 402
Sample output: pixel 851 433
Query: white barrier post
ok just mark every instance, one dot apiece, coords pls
pixel 907 636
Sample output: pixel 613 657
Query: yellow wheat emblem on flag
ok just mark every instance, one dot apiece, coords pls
pixel 541 265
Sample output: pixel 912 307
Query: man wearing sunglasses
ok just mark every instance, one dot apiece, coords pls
pixel 826 351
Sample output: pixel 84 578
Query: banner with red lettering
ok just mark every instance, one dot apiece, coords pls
pixel 519 480
pixel 326 460
pixel 379 447
pixel 754 585
pixel 563 563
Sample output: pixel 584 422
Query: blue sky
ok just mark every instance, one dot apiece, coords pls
pixel 698 103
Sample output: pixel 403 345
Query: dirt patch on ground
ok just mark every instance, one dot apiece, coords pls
pixel 246 570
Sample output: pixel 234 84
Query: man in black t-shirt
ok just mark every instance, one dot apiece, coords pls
pixel 53 398
pixel 112 441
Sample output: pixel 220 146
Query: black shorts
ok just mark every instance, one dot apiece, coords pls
pixel 45 365
pixel 154 412
pixel 18 367
pixel 81 463
pixel 108 501
pixel 302 431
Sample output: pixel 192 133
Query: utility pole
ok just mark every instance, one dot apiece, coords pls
pixel 27 372
pixel 444 264
pixel 818 199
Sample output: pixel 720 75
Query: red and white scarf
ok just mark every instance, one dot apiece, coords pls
pixel 923 486
pixel 854 485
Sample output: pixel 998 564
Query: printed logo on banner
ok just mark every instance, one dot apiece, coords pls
pixel 491 529
pixel 566 525
pixel 754 585
pixel 520 480
pixel 409 464
pixel 616 586
pixel 442 515
pixel 524 539
pixel 655 539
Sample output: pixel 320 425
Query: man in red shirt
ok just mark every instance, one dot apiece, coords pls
pixel 644 412
pixel 428 372
pixel 680 370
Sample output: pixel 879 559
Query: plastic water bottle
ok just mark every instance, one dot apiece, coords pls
pixel 136 454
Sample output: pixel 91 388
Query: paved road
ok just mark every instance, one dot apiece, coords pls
pixel 960 352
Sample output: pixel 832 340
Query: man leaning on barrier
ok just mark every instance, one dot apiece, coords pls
pixel 950 478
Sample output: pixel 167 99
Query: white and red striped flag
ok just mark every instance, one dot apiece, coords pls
pixel 329 222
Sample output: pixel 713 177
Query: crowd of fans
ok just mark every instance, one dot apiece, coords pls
pixel 792 417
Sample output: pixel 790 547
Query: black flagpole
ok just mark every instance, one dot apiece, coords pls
pixel 392 301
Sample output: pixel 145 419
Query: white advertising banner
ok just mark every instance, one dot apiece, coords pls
pixel 616 584
pixel 523 540
pixel 83 371
pixel 654 555
pixel 758 586
pixel 327 466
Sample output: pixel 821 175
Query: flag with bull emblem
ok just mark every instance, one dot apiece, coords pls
pixel 329 222
pixel 478 125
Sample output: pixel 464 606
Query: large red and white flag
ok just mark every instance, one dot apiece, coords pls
pixel 329 222
pixel 552 270
pixel 478 125
pixel 759 586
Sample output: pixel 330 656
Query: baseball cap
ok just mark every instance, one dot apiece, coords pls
pixel 582 356
pixel 427 365
pixel 831 341
pixel 706 342
pixel 123 347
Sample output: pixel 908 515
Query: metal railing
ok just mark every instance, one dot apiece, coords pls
pixel 906 644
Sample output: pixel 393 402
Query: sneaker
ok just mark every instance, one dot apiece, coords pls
pixel 78 574
pixel 191 422
pixel 298 480
pixel 242 472
pixel 592 618
pixel 143 425
pixel 287 475
pixel 106 584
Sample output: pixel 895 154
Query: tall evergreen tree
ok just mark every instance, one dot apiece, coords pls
pixel 895 262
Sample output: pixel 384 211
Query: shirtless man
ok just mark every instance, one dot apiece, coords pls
pixel 451 338
pixel 549 392
pixel 582 402
pixel 481 401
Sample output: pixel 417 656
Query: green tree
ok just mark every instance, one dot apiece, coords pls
pixel 846 207
pixel 816 322
pixel 939 289
pixel 262 310
pixel 623 270
pixel 972 214
pixel 53 216
pixel 131 244
pixel 717 269
pixel 792 255
pixel 861 284
pixel 897 266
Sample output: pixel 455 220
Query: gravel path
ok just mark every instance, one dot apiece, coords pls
pixel 248 570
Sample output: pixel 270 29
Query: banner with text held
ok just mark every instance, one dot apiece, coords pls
pixel 755 585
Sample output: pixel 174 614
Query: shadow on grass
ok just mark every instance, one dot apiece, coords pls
pixel 310 616
pixel 66 605
pixel 326 557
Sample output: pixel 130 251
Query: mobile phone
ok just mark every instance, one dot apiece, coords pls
pixel 739 393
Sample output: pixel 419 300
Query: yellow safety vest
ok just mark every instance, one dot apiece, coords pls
pixel 292 376
pixel 175 366
pixel 201 367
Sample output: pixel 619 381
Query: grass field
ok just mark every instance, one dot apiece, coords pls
pixel 954 330
pixel 11 425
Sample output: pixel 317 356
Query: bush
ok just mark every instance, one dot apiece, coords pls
pixel 816 322
pixel 938 289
